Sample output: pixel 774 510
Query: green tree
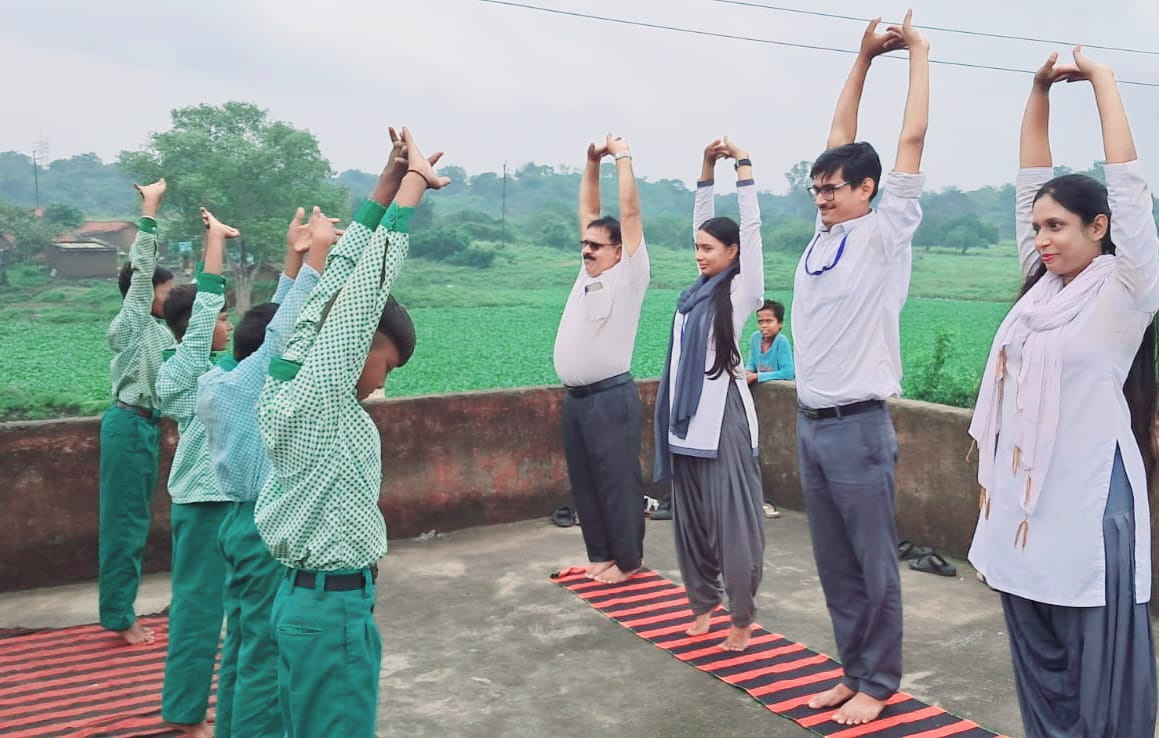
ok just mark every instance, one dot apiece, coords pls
pixel 28 233
pixel 64 215
pixel 251 171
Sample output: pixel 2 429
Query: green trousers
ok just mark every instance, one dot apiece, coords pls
pixel 130 446
pixel 329 657
pixel 247 684
pixel 195 610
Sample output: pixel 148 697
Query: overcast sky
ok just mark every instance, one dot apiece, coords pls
pixel 491 83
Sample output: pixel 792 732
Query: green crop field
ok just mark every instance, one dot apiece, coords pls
pixel 481 329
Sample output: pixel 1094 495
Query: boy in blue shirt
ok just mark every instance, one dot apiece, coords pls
pixel 770 355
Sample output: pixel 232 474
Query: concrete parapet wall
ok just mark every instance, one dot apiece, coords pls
pixel 454 461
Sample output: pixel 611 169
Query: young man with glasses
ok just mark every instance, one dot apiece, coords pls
pixel 593 355
pixel 849 290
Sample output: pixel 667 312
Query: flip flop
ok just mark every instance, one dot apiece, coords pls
pixel 564 517
pixel 771 510
pixel 651 505
pixel 907 550
pixel 934 564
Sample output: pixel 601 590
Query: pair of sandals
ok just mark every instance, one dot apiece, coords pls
pixel 924 558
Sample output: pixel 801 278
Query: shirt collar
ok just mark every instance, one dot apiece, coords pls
pixel 840 229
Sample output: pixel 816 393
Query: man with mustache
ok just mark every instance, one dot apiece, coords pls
pixel 593 355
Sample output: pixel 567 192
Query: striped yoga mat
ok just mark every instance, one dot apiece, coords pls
pixel 778 673
pixel 82 682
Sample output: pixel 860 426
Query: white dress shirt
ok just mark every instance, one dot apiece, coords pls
pixel 845 319
pixel 597 333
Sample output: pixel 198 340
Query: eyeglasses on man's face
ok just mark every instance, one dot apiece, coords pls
pixel 829 191
pixel 595 245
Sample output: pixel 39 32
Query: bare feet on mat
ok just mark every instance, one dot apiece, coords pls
pixel 831 698
pixel 738 638
pixel 135 634
pixel 614 575
pixel 200 730
pixel 859 710
pixel 699 626
pixel 594 570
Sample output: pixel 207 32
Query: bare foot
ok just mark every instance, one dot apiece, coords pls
pixel 200 730
pixel 831 698
pixel 738 638
pixel 594 570
pixel 859 710
pixel 614 575
pixel 699 626
pixel 135 634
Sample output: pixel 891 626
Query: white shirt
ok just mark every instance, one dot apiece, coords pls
pixel 845 320
pixel 747 293
pixel 1063 560
pixel 597 332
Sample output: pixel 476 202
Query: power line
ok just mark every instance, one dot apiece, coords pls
pixel 938 28
pixel 754 39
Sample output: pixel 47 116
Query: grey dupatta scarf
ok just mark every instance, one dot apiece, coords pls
pixel 696 305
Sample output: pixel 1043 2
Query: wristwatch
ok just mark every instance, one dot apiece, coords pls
pixel 742 163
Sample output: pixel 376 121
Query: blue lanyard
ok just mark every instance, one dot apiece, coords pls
pixel 837 258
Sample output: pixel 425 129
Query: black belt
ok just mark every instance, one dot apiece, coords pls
pixel 334 582
pixel 144 412
pixel 584 390
pixel 840 411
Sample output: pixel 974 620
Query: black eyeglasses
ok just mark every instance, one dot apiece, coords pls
pixel 829 191
pixel 594 245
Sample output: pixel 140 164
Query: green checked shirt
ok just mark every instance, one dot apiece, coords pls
pixel 319 508
pixel 191 477
pixel 135 336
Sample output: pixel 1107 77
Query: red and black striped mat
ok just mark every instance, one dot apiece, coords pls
pixel 82 682
pixel 778 673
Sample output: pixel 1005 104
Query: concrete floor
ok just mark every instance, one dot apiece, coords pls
pixel 477 641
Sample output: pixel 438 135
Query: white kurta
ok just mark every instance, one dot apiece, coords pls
pixel 747 293
pixel 1062 562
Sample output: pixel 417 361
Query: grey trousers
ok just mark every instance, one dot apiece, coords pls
pixel 1089 672
pixel 846 466
pixel 601 440
pixel 718 516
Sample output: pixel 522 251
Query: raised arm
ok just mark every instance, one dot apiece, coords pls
pixel 589 197
pixel 177 378
pixel 1132 223
pixel 916 120
pixel 873 44
pixel 752 260
pixel 631 224
pixel 137 307
pixel 1034 158
pixel 1118 144
pixel 704 205
pixel 338 354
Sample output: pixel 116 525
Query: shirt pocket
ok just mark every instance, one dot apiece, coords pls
pixel 597 302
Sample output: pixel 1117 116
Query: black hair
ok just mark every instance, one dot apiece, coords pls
pixel 727 356
pixel 856 162
pixel 250 332
pixel 161 275
pixel 610 224
pixel 396 325
pixel 777 308
pixel 1087 198
pixel 178 307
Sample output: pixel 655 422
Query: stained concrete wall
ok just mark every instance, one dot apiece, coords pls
pixel 453 461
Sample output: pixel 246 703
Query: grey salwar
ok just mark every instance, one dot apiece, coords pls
pixel 1089 672
pixel 846 466
pixel 717 511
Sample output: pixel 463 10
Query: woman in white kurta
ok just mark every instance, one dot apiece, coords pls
pixel 706 425
pixel 1062 425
